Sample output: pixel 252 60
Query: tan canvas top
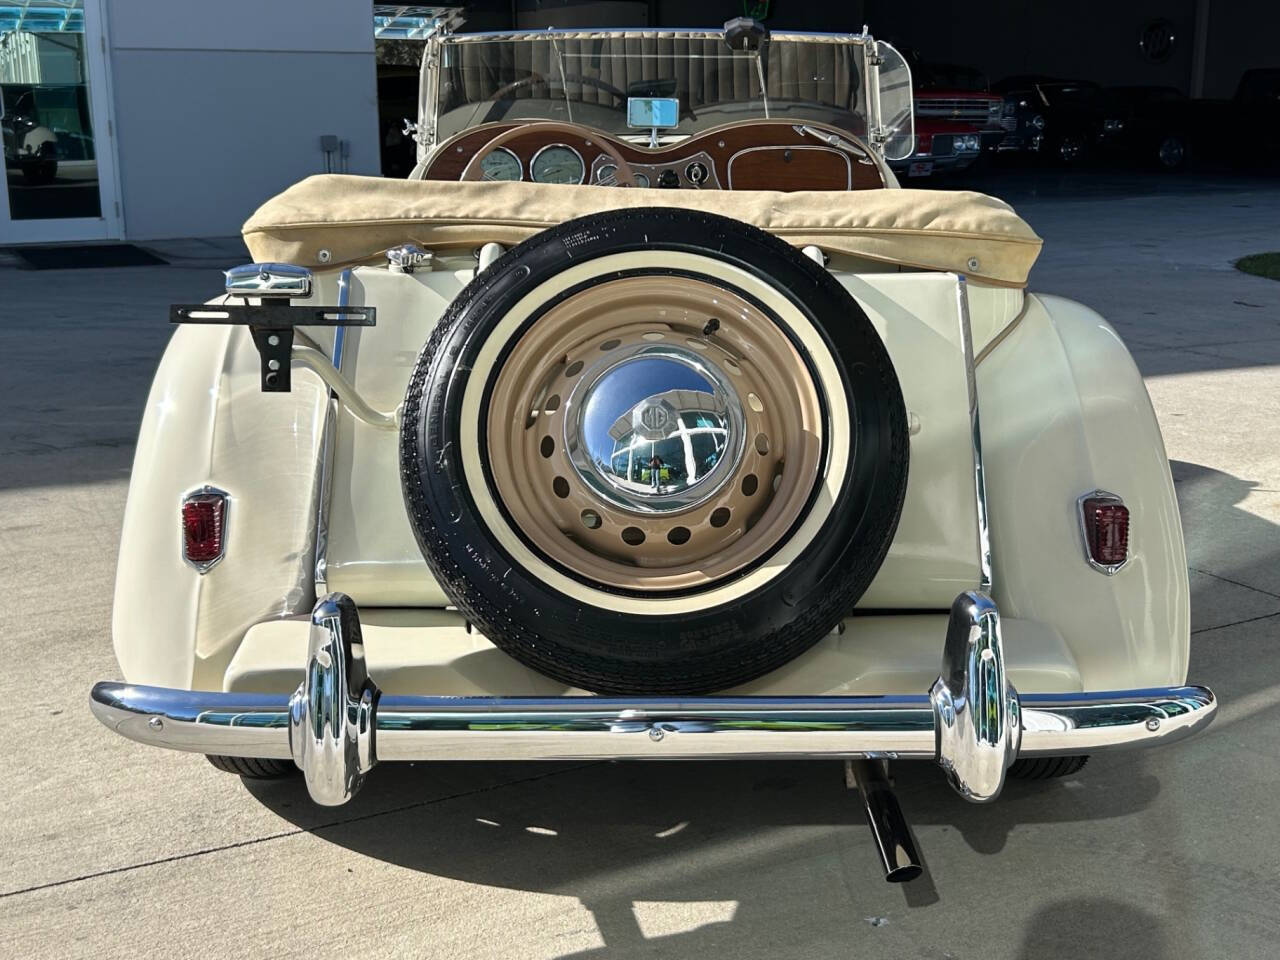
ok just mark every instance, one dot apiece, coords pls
pixel 358 218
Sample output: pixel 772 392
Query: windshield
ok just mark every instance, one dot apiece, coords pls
pixel 587 78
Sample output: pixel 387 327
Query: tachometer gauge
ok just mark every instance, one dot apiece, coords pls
pixel 557 163
pixel 502 164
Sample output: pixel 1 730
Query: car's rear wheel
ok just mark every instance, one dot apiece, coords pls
pixel 254 768
pixel 654 451
pixel 1072 150
pixel 1046 768
pixel 1171 153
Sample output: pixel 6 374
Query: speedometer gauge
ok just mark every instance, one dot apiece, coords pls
pixel 557 163
pixel 502 164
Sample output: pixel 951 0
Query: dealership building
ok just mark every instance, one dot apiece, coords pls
pixel 147 119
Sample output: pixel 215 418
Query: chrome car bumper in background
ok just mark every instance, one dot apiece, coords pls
pixel 337 725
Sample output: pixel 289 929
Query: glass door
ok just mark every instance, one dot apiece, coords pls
pixel 59 176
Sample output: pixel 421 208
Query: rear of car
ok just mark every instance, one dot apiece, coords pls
pixel 466 469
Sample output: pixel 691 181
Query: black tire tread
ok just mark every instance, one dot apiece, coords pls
pixel 1046 768
pixel 254 768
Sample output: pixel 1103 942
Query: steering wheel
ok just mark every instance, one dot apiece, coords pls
pixel 515 85
pixel 599 84
pixel 474 169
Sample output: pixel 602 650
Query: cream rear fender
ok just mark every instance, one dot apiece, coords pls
pixel 207 424
pixel 1064 412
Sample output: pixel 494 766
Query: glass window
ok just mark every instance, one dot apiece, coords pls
pixel 49 157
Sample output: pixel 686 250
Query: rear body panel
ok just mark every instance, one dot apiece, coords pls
pixel 373 557
pixel 1063 411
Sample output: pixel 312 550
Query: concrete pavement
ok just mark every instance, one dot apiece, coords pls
pixel 111 848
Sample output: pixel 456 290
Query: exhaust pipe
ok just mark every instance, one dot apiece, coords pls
pixel 889 829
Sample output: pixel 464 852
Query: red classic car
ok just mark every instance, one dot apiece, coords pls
pixel 956 118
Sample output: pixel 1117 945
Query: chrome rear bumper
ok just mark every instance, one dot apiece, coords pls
pixel 337 725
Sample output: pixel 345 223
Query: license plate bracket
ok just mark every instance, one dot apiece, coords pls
pixel 271 325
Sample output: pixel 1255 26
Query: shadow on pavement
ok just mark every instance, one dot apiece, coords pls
pixel 1097 928
pixel 617 835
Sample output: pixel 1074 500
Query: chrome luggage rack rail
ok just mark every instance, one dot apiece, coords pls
pixel 337 725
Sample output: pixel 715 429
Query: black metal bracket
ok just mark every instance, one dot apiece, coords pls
pixel 271 326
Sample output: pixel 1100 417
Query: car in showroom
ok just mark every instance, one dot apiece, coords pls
pixel 650 418
pixel 1067 115
pixel 956 118
pixel 1022 120
pixel 1146 125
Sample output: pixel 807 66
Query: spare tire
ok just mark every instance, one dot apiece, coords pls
pixel 654 451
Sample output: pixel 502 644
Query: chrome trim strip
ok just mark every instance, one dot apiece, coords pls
pixel 1110 569
pixel 328 443
pixel 979 475
pixel 429 96
pixel 973 723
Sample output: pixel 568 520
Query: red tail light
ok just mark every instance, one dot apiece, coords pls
pixel 1105 520
pixel 204 524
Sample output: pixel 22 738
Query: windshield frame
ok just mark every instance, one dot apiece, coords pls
pixel 872 54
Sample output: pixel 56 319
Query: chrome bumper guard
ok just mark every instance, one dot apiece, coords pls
pixel 337 725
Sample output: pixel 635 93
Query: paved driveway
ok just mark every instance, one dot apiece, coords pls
pixel 111 849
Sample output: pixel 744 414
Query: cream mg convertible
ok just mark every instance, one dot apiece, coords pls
pixel 642 421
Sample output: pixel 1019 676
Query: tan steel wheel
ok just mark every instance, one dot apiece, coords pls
pixel 654 433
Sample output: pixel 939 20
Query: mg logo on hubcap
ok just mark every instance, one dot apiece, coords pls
pixel 654 417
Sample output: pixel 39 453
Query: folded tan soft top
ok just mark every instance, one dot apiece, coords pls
pixel 358 218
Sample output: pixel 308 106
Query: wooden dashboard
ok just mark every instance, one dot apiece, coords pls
pixel 747 155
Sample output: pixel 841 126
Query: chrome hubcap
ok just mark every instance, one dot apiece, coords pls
pixel 655 429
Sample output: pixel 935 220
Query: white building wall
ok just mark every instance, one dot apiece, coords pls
pixel 220 105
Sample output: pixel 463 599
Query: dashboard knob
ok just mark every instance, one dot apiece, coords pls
pixel 668 179
pixel 696 172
